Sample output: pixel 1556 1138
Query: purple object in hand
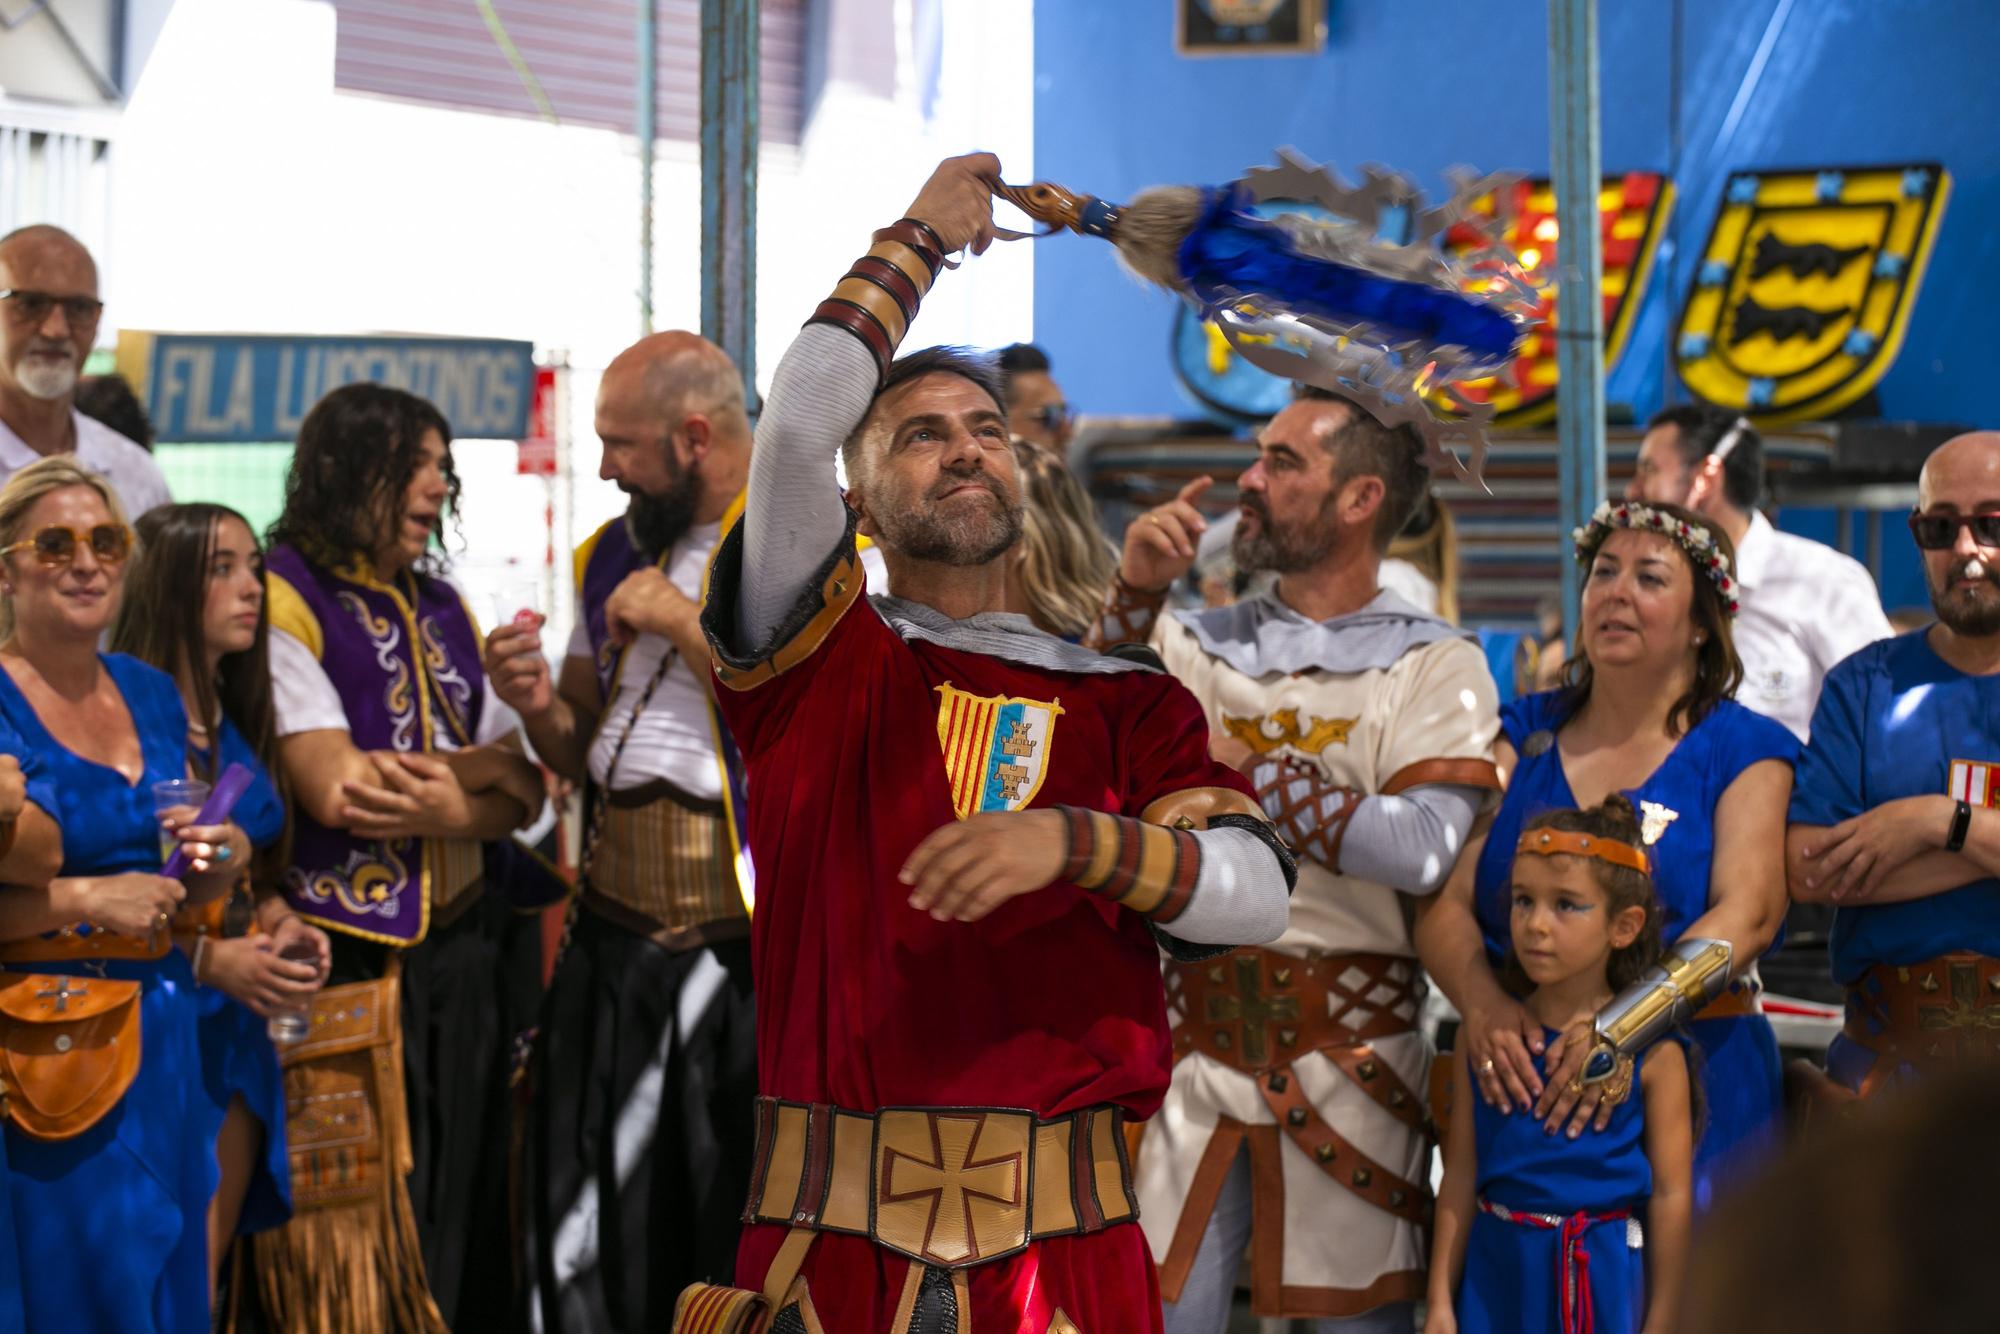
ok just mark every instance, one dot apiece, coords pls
pixel 222 799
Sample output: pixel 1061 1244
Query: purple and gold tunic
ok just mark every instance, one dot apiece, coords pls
pixel 404 658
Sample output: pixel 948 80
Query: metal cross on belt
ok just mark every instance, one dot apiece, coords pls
pixel 1250 1007
pixel 61 993
pixel 1968 1008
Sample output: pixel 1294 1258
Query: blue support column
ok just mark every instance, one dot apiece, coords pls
pixel 729 133
pixel 1576 173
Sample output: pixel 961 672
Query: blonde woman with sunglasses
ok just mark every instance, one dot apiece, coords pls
pixel 88 970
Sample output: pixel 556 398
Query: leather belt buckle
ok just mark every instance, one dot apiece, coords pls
pixel 950 1186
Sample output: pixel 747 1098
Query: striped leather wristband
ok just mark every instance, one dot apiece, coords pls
pixel 1145 867
pixel 879 296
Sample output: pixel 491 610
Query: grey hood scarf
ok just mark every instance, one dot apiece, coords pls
pixel 1261 635
pixel 998 634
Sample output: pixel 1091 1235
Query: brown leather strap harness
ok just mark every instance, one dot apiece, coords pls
pixel 1256 1011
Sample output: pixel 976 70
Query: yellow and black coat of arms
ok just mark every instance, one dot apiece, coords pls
pixel 1806 286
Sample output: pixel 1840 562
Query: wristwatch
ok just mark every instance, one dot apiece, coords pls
pixel 1961 824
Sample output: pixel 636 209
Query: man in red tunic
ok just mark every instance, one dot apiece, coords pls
pixel 971 840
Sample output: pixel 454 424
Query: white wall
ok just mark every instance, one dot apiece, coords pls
pixel 250 196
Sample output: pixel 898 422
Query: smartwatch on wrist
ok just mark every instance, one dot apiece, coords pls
pixel 1961 824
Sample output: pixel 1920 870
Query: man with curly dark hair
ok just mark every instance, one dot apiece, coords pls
pixel 402 763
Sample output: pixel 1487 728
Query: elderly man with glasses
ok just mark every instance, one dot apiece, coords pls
pixel 1893 819
pixel 48 321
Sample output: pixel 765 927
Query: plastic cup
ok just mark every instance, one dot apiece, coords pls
pixel 518 598
pixel 293 1025
pixel 288 1026
pixel 176 796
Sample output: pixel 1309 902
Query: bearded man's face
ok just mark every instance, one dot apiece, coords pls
pixel 942 486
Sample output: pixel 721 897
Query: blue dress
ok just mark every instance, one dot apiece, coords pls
pixel 1892 721
pixel 1512 1268
pixel 111 1227
pixel 13 1319
pixel 1740 1074
pixel 238 1058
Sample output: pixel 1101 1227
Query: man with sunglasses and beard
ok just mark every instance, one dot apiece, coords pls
pixel 640 1134
pixel 48 321
pixel 1366 727
pixel 1036 410
pixel 1892 818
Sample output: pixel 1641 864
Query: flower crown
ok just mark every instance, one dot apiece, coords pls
pixel 1697 541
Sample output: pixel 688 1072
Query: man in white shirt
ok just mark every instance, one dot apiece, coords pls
pixel 639 1142
pixel 1805 606
pixel 48 319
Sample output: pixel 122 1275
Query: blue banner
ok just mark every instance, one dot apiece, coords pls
pixel 228 389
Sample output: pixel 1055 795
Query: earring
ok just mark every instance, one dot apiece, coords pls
pixel 1700 638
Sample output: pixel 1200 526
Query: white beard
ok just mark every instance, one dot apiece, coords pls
pixel 1974 569
pixel 46 378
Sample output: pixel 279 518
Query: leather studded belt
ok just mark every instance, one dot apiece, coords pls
pixel 947 1186
pixel 1258 1010
pixel 1935 1014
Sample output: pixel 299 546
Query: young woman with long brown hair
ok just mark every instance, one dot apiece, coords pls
pixel 194 608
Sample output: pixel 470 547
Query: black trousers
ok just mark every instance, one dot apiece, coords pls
pixel 641 1134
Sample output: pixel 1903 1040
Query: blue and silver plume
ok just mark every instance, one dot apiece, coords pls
pixel 1348 288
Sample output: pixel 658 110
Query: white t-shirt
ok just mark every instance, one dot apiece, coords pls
pixel 1804 607
pixel 133 474
pixel 674 739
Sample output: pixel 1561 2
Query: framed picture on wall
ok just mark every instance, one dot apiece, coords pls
pixel 1249 27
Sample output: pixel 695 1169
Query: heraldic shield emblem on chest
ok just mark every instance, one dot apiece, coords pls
pixel 1801 298
pixel 996 748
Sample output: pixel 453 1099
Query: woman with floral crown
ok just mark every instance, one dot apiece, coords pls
pixel 1645 710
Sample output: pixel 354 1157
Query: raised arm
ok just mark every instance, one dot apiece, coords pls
pixel 794 520
pixel 1160 547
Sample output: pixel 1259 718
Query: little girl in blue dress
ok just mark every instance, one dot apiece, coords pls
pixel 1541 1233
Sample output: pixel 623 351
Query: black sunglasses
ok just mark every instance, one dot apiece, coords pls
pixel 1939 532
pixel 33 307
pixel 1051 415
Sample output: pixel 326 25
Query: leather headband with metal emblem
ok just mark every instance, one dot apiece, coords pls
pixel 1568 843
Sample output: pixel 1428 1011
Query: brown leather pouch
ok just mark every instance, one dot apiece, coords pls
pixel 69 1048
pixel 350 1261
pixel 344 1096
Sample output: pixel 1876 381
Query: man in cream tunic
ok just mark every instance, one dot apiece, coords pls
pixel 1296 1118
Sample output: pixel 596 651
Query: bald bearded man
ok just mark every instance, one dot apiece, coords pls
pixel 640 1135
pixel 1893 817
pixel 48 321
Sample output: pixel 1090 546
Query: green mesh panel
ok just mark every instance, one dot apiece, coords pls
pixel 248 478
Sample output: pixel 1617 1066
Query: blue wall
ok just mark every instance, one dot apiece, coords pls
pixel 1423 86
